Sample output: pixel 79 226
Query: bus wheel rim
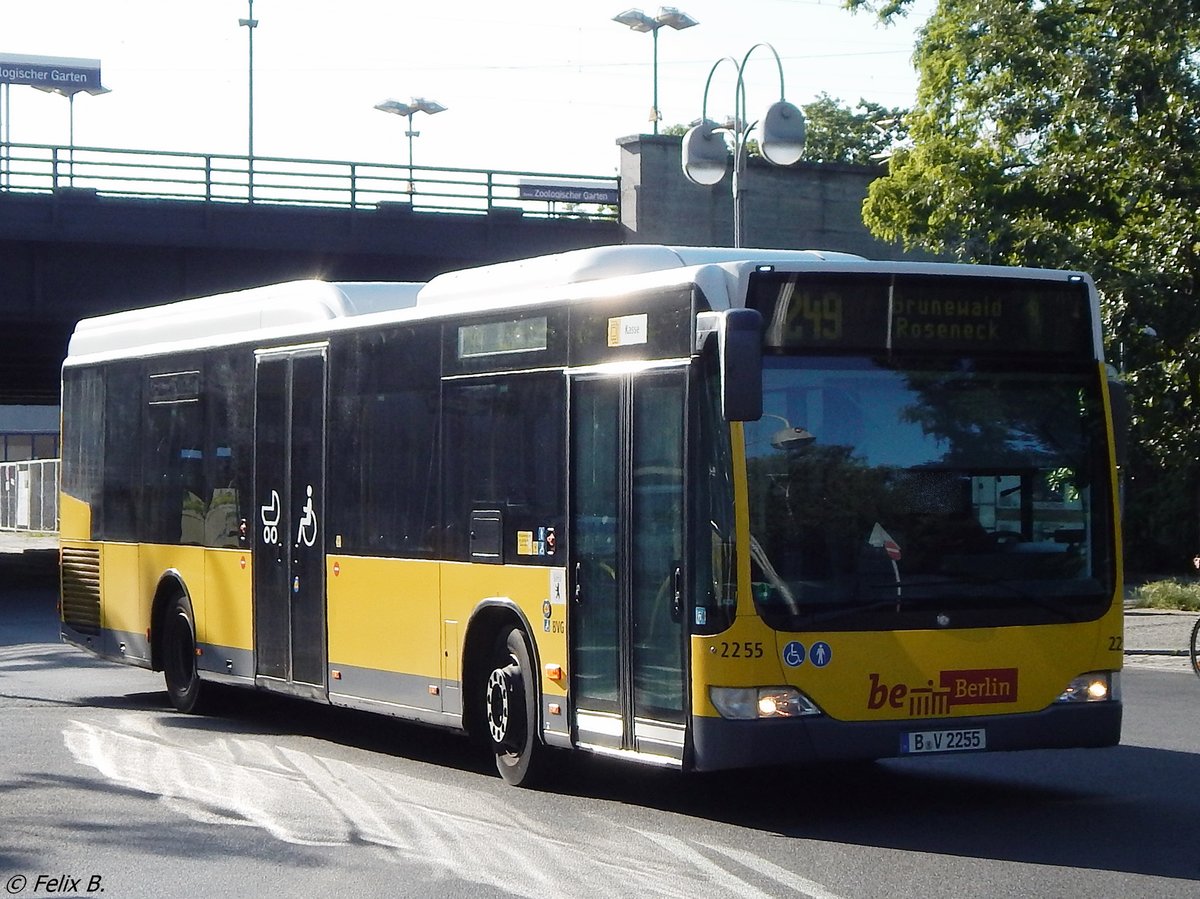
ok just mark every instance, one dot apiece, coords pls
pixel 499 689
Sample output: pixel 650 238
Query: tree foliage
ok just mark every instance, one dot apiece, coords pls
pixel 1060 133
pixel 861 135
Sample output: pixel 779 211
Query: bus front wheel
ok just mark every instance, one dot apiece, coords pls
pixel 510 708
pixel 179 655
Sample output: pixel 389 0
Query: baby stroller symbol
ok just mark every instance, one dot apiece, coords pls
pixel 270 519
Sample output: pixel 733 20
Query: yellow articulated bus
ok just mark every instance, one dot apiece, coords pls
pixel 696 507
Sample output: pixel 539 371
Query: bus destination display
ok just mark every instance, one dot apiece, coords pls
pixel 918 313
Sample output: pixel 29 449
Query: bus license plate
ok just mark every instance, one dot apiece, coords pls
pixel 966 740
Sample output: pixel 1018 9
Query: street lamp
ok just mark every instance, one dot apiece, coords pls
pixel 250 23
pixel 639 21
pixel 408 110
pixel 69 92
pixel 705 153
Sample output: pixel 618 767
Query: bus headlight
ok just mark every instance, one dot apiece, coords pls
pixel 745 703
pixel 1095 686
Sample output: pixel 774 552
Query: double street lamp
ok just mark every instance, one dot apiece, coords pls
pixel 640 21
pixel 408 110
pixel 706 154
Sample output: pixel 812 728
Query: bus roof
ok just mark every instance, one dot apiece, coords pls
pixel 599 263
pixel 299 308
pixel 303 305
pixel 229 314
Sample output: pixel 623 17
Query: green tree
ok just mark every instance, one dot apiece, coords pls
pixel 1059 133
pixel 863 135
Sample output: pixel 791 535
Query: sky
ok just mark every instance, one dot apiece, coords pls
pixel 546 86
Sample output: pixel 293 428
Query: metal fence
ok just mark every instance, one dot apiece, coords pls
pixel 211 177
pixel 29 496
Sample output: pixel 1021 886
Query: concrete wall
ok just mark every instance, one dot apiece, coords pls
pixel 805 206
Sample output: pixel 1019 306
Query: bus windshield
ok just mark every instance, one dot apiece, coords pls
pixel 948 493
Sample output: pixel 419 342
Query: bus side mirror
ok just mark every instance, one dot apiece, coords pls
pixel 1118 400
pixel 740 347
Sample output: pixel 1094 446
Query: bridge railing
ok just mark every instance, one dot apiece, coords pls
pixel 29 496
pixel 214 177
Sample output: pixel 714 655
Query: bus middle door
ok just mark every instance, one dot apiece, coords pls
pixel 289 551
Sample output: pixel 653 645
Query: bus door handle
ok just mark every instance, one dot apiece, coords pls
pixel 677 593
pixel 578 584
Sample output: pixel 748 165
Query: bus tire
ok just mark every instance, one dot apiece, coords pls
pixel 184 687
pixel 510 709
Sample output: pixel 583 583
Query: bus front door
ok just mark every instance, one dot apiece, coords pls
pixel 627 510
pixel 289 552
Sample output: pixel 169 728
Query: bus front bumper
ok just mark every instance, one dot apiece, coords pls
pixel 720 744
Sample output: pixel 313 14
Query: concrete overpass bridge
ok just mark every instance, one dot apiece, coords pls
pixel 96 230
pixel 85 231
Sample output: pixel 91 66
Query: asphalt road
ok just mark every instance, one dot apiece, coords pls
pixel 104 788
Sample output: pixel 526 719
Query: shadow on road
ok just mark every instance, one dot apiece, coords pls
pixel 28 597
pixel 1124 809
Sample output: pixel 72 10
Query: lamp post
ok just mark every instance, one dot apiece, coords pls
pixel 250 24
pixel 639 21
pixel 408 110
pixel 95 90
pixel 705 153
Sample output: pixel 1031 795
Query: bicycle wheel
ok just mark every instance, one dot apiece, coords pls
pixel 1194 649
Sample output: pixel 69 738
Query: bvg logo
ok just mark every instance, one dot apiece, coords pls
pixel 977 686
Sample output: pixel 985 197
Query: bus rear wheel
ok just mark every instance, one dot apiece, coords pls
pixel 510 709
pixel 179 656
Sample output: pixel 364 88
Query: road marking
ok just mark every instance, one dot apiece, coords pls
pixel 470 834
pixel 801 885
pixel 691 857
pixel 694 859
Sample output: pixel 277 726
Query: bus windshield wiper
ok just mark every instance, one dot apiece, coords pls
pixel 905 603
pixel 976 580
pixel 912 599
pixel 1006 585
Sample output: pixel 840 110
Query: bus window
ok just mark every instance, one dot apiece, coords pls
pixel 504 451
pixel 120 508
pixel 383 441
pixel 934 485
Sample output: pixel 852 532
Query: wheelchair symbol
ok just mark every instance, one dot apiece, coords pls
pixel 793 654
pixel 307 532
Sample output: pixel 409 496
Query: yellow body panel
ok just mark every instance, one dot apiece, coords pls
pixel 411 617
pixel 534 590
pixel 156 559
pixel 74 518
pixel 384 614
pixel 126 607
pixel 875 676
pixel 228 608
pixel 406 617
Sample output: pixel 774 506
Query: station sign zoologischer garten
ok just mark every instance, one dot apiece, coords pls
pixel 570 191
pixel 60 74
